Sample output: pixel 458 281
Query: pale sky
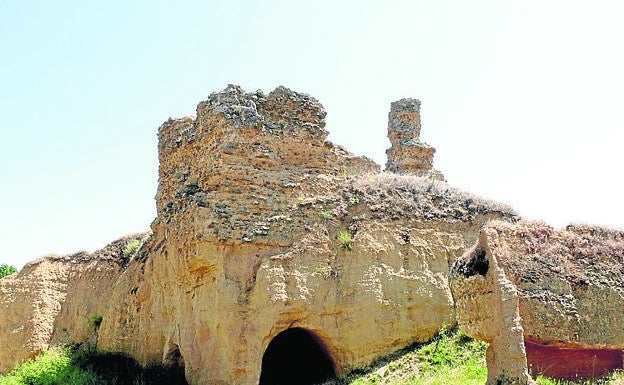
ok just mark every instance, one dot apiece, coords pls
pixel 522 99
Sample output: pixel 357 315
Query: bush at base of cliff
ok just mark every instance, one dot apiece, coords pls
pixel 53 367
pixel 82 365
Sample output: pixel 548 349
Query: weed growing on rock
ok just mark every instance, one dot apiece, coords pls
pixel 95 320
pixel 345 238
pixel 131 248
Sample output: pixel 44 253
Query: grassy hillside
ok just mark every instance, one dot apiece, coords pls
pixel 451 359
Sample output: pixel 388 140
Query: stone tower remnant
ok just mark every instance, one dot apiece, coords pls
pixel 408 155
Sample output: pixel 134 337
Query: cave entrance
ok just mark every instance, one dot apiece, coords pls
pixel 172 372
pixel 296 356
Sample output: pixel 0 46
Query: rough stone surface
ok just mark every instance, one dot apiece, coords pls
pixel 545 294
pixel 408 155
pixel 245 244
pixel 50 300
pixel 264 226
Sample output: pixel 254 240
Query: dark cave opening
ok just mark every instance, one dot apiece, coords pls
pixel 296 356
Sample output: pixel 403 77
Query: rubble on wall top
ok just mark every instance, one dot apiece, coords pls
pixel 247 109
pixel 403 106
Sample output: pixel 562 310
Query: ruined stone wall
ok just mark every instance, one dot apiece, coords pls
pixel 251 202
pixel 408 155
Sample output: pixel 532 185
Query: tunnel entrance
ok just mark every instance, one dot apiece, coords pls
pixel 296 356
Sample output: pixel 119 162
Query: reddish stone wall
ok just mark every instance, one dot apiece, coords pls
pixel 568 363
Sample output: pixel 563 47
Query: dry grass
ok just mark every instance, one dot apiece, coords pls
pixel 421 197
pixel 583 254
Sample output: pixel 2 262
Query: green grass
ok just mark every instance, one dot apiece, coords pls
pixel 82 365
pixel 616 378
pixel 132 247
pixel 6 270
pixel 345 239
pixel 50 368
pixel 95 320
pixel 451 358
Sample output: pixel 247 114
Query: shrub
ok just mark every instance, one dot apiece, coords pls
pixel 50 368
pixel 83 365
pixel 345 238
pixel 6 270
pixel 131 248
pixel 95 320
pixel 325 214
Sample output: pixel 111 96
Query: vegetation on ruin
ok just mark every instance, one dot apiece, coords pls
pixel 132 247
pixel 345 239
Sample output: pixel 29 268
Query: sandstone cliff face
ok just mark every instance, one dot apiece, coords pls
pixel 49 301
pixel 251 204
pixel 548 301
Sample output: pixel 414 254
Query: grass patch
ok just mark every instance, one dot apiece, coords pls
pixel 131 248
pixel 50 368
pixel 616 378
pixel 451 358
pixel 345 239
pixel 82 365
pixel 95 320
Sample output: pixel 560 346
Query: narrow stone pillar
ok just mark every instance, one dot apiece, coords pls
pixel 408 155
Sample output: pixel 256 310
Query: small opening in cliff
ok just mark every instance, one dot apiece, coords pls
pixel 476 264
pixel 174 358
pixel 173 370
pixel 296 356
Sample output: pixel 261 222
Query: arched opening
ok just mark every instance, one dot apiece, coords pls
pixel 296 356
pixel 172 372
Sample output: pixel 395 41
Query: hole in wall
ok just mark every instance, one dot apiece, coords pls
pixel 296 356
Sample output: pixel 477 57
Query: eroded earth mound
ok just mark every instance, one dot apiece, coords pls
pixel 548 302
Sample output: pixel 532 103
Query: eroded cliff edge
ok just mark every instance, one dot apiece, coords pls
pixel 264 226
pixel 50 300
pixel 548 301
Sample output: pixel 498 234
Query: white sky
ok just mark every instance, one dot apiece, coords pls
pixel 522 99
